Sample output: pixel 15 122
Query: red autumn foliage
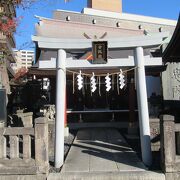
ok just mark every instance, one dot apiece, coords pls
pixel 8 25
pixel 21 73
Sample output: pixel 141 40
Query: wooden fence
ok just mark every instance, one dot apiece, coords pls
pixel 24 150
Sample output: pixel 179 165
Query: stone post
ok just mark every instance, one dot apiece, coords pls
pixel 41 144
pixel 26 118
pixel 168 147
pixel 2 142
pixel 143 107
pixel 178 143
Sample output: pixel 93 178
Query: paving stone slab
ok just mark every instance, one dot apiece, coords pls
pixel 101 150
pixel 147 175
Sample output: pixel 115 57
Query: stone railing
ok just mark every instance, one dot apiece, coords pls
pixel 21 119
pixel 170 157
pixel 24 150
pixel 155 134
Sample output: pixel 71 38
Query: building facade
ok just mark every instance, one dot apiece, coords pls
pixel 24 59
pixel 108 5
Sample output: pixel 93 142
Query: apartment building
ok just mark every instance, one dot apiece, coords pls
pixel 24 58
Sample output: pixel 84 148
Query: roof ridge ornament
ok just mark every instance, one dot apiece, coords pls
pixel 95 36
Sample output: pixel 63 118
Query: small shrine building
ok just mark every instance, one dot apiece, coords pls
pixel 104 64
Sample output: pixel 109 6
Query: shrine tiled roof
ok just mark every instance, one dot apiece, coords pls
pixel 172 51
pixel 76 30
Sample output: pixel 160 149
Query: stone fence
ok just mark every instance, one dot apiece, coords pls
pixel 170 146
pixel 24 150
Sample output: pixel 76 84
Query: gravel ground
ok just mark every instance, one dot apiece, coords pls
pixel 67 145
pixel 68 141
pixel 135 144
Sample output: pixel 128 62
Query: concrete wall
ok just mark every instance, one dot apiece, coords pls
pixel 106 5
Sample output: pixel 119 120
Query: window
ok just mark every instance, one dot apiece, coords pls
pixel 29 52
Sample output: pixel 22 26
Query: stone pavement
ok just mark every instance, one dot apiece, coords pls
pixel 102 153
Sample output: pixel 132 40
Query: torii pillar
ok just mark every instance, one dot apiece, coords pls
pixel 60 107
pixel 143 107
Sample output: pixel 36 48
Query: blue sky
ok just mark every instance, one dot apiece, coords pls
pixel 156 8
